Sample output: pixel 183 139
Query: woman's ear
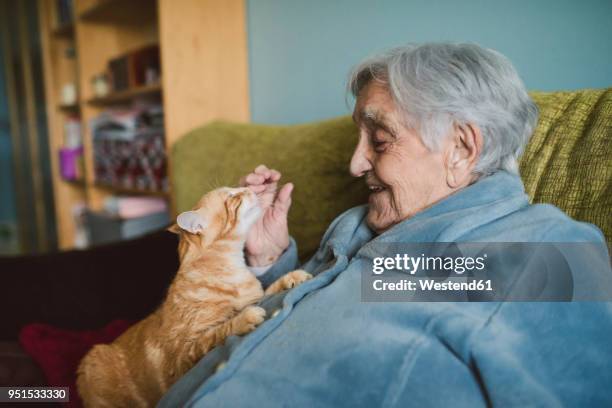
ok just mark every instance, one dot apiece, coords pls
pixel 191 221
pixel 466 146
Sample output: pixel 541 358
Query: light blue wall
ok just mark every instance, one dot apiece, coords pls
pixel 300 51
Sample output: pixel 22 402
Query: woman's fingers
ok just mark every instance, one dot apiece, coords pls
pixel 262 168
pixel 260 188
pixel 274 175
pixel 268 174
pixel 283 199
pixel 255 179
pixel 250 180
pixel 261 175
pixel 262 171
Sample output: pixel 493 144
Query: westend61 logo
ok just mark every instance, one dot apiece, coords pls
pixel 485 272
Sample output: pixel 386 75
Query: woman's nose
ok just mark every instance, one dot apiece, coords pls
pixel 360 162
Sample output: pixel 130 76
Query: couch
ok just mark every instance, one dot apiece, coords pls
pixel 568 162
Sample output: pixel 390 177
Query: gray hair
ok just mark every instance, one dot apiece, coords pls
pixel 437 85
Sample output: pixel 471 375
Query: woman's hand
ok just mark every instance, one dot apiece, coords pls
pixel 269 237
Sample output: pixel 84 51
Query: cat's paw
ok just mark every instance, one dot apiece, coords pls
pixel 292 279
pixel 249 318
pixel 288 281
pixel 254 314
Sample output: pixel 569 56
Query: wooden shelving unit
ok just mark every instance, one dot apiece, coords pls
pixel 114 11
pixel 60 68
pixel 131 191
pixel 204 76
pixel 64 30
pixel 126 96
pixel 73 107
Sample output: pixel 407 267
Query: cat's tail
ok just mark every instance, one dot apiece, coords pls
pixel 103 379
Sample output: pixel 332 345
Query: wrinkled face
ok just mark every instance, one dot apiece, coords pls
pixel 403 175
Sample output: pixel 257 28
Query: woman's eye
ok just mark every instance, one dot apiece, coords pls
pixel 380 140
pixel 379 145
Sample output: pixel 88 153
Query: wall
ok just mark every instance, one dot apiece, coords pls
pixel 300 51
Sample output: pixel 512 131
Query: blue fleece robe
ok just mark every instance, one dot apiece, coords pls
pixel 323 346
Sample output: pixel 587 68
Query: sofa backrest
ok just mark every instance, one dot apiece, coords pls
pixel 567 162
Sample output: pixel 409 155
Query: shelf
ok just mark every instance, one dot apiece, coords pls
pixel 64 31
pixel 126 96
pixel 123 190
pixel 73 107
pixel 120 11
pixel 77 183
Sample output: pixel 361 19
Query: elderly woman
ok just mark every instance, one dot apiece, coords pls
pixel 440 129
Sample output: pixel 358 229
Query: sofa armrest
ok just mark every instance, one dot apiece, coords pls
pixel 17 368
pixel 85 289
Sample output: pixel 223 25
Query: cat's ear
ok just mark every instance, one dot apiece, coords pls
pixel 174 228
pixel 191 221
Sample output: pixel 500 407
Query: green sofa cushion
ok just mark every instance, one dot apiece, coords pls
pixel 567 162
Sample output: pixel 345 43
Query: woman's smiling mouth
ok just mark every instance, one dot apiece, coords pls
pixel 376 188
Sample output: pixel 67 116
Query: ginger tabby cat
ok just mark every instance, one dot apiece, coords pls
pixel 212 297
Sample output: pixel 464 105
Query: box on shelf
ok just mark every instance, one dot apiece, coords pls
pixel 137 68
pixel 134 206
pixel 72 132
pixel 72 166
pixel 71 163
pixel 129 149
pixel 105 228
